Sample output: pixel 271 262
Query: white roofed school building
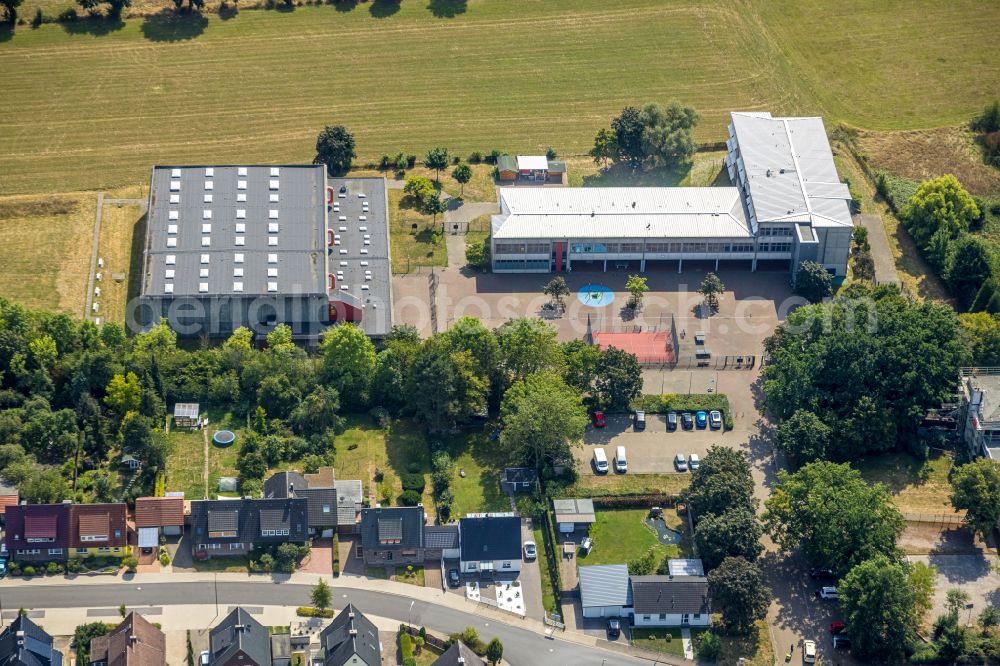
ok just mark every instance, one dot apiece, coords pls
pixel 787 206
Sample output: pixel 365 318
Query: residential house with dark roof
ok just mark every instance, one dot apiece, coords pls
pixel 158 515
pixel 459 654
pixel 670 601
pixel 98 529
pixel 491 544
pixel 350 639
pixel 442 542
pixel 519 479
pixel 222 528
pixel 350 498
pixel 239 640
pixel 38 532
pixel 134 642
pixel 319 493
pixel 24 643
pixel 8 497
pixel 393 535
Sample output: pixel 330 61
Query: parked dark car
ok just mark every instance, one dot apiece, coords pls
pixel 614 628
pixel 822 574
pixel 640 421
pixel 671 420
pixel 841 641
pixel 453 579
pixel 687 421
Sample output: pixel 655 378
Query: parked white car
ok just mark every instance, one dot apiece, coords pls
pixel 530 552
pixel 694 461
pixel 809 652
pixel 828 593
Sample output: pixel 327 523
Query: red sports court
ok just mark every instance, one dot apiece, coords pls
pixel 649 347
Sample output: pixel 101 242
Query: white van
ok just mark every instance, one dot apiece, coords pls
pixel 621 462
pixel 600 461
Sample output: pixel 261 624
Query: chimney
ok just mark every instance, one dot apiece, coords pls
pixel 133 639
pixel 353 631
pixel 291 489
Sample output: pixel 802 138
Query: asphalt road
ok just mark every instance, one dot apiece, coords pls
pixel 520 646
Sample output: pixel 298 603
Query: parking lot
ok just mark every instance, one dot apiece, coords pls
pixel 650 451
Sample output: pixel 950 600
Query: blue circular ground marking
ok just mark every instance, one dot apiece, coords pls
pixel 595 295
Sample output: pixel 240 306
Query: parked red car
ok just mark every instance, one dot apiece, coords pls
pixel 598 419
pixel 837 627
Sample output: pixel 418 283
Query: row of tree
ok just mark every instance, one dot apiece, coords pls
pixel 654 136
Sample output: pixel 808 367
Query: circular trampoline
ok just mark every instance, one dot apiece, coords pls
pixel 595 295
pixel 224 437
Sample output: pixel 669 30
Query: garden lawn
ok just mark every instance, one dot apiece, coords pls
pixel 417 76
pixel 621 536
pixel 592 485
pixel 413 247
pixel 364 449
pixel 656 640
pixel 185 464
pixel 548 596
pixel 479 491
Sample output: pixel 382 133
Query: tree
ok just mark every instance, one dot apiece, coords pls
pixel 628 127
pixel 804 437
pixel 645 564
pixel 737 590
pixel 989 120
pixel 813 282
pixel 335 149
pixel 123 394
pixel 83 634
pixel 10 10
pixel 437 159
pixel 723 482
pixel 317 412
pixel 921 578
pixel 321 595
pixel 710 288
pixel 115 7
pixel 734 533
pixel 526 346
pixel 618 379
pixel 975 487
pixel 477 252
pixel 463 174
pixel 43 487
pixel 636 286
pixel 582 360
pixel 494 651
pixel 420 188
pixel 556 289
pixel 940 204
pixel 433 206
pixel 543 418
pixel 667 134
pixel 348 362
pixel 878 608
pixel 605 147
pixel 833 515
pixel 871 342
pixel 970 264
pixel 444 386
pixel 980 332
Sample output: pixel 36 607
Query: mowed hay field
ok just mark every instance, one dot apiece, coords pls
pixel 45 244
pixel 90 106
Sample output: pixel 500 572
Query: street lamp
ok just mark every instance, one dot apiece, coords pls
pixel 411 612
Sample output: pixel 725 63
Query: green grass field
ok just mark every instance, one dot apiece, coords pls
pixel 620 536
pixel 90 106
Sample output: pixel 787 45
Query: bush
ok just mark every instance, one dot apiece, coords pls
pixel 411 160
pixel 493 157
pixel 39 18
pixel 53 568
pixel 477 253
pixel 550 153
pixel 130 563
pixel 708 645
pixel 381 416
pixel 413 481
pixel 384 162
pixel 409 498
pixel 456 160
pixel 405 645
pixel 164 558
pixel 414 468
pixel 308 611
pixel 28 571
pixel 476 157
pixel 68 15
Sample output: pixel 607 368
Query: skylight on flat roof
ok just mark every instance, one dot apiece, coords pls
pixel 275 171
pixel 238 258
pixel 272 287
pixel 241 184
pixel 171 242
pixel 239 241
pixel 206 241
pixel 272 227
pixel 273 198
pixel 203 287
pixel 241 213
pixel 168 288
pixel 173 215
pixel 272 258
pixel 206 214
pixel 175 198
pixel 272 272
pixel 171 259
pixel 272 241
pixel 241 171
pixel 209 172
pixel 237 271
pixel 209 184
pixel 208 198
pixel 204 258
pixel 168 274
pixel 206 228
pixel 171 228
pixel 272 184
pixel 175 186
pixel 203 272
pixel 272 214
pixel 175 173
pixel 237 286
pixel 241 197
pixel 240 227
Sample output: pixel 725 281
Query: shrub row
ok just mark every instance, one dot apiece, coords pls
pixel 308 611
pixel 679 402
pixel 636 501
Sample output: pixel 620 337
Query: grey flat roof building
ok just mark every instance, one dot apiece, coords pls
pixel 258 245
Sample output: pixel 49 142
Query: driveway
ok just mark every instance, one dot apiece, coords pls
pixel 320 558
pixel 531 576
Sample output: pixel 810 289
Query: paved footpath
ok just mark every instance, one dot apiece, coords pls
pixel 197 600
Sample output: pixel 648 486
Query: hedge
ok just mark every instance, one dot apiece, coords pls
pixel 309 611
pixel 682 402
pixel 413 481
pixel 637 501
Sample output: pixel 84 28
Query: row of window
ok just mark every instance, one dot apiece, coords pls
pixel 775 231
pixel 218 546
pixel 663 616
pixel 651 248
pixel 274 532
pixel 59 551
